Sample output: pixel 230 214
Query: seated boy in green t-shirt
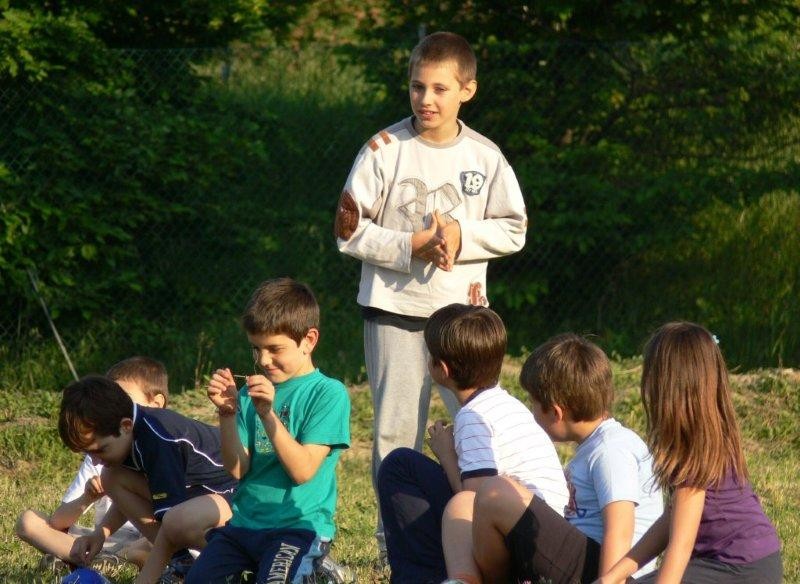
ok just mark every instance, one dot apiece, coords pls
pixel 282 434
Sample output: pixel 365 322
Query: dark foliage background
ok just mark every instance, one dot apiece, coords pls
pixel 149 183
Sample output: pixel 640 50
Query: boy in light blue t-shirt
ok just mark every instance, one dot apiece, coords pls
pixel 613 496
pixel 282 435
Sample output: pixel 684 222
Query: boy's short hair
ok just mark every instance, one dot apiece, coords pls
pixel 151 375
pixel 92 404
pixel 281 307
pixel 572 372
pixel 471 340
pixel 441 47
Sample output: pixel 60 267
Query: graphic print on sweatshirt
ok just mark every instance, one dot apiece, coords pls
pixel 424 201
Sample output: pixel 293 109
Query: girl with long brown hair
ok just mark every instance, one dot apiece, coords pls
pixel 714 529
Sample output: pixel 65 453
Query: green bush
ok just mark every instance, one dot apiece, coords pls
pixel 735 268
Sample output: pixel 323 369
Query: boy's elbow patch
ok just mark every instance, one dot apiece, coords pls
pixel 347 216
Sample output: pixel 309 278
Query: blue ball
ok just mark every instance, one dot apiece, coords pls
pixel 84 576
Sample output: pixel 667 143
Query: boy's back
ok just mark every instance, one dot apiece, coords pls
pixel 315 409
pixel 494 430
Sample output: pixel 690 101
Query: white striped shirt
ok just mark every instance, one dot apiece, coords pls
pixel 495 434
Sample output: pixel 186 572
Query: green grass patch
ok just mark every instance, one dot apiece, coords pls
pixel 35 468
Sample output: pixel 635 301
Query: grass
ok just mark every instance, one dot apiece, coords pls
pixel 35 468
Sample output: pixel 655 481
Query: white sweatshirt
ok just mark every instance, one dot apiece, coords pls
pixel 397 181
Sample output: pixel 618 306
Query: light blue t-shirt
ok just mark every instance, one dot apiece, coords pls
pixel 612 464
pixel 315 409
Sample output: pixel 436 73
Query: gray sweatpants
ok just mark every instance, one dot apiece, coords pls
pixel 397 368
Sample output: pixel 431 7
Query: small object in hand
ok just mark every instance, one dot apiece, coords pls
pixel 237 376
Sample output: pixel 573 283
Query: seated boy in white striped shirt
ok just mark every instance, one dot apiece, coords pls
pixel 493 434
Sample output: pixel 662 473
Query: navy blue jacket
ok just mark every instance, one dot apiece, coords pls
pixel 180 456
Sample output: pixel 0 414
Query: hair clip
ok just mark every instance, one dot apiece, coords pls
pixel 716 339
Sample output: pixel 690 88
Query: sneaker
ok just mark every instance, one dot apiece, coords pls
pixel 179 565
pixel 54 565
pixel 169 576
pixel 106 562
pixel 383 559
pixel 329 572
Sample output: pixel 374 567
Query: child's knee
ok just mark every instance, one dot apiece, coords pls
pixel 27 523
pixel 396 463
pixel 494 493
pixel 184 529
pixel 174 523
pixel 460 506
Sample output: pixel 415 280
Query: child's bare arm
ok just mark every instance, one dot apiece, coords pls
pixel 443 446
pixel 223 393
pixel 651 544
pixel 687 508
pixel 618 526
pixel 68 513
pixel 300 461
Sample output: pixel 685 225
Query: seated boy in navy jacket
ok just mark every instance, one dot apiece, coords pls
pixel 162 470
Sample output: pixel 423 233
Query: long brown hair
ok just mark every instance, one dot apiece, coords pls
pixel 691 424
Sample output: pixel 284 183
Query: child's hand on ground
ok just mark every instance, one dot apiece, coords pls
pixel 429 246
pixel 441 440
pixel 222 391
pixel 262 392
pixel 86 547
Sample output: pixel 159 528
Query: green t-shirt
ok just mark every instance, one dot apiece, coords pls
pixel 315 409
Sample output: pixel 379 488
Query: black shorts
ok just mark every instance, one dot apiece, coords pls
pixel 545 545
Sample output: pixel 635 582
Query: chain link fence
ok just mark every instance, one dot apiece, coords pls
pixel 151 207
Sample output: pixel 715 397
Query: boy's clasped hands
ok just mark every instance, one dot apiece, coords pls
pixel 441 440
pixel 439 243
pixel 223 393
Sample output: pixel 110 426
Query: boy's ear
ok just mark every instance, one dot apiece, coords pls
pixel 309 341
pixel 558 413
pixel 125 425
pixel 158 401
pixel 468 90
pixel 444 367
